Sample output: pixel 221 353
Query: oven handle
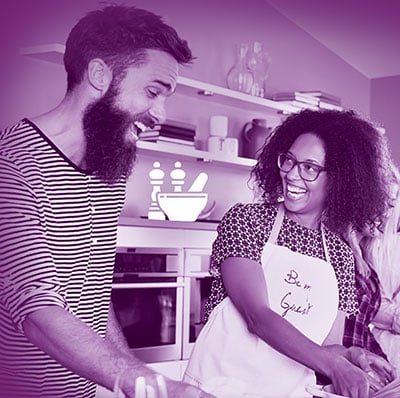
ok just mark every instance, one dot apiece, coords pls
pixel 146 285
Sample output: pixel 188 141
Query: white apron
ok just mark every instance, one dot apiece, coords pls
pixel 229 361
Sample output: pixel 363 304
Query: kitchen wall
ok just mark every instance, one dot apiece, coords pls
pixel 212 27
pixel 385 109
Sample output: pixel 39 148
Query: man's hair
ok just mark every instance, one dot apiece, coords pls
pixel 356 163
pixel 120 36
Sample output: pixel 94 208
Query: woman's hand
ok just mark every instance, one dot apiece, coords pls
pixel 347 379
pixel 379 370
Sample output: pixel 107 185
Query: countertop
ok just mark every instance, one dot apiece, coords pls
pixel 210 225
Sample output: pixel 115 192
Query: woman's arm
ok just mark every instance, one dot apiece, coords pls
pixel 245 284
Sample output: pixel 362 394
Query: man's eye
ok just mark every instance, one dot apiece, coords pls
pixel 152 93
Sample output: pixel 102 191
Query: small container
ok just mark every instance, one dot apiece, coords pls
pixel 214 144
pixel 230 147
pixel 219 126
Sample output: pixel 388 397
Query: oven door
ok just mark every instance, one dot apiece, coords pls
pixel 150 312
pixel 147 296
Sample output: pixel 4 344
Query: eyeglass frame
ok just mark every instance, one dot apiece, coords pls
pixel 299 164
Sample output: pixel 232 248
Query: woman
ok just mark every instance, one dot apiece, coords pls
pixel 385 258
pixel 379 255
pixel 283 278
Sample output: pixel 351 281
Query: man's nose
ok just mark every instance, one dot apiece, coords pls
pixel 157 111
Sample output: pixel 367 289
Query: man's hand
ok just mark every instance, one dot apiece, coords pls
pixel 154 385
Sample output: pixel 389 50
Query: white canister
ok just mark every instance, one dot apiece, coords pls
pixel 219 126
pixel 214 144
pixel 230 147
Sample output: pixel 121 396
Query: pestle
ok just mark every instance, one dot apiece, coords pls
pixel 199 183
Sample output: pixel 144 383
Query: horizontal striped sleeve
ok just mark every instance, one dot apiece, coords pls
pixel 28 276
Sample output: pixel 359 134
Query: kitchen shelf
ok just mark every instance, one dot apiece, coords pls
pixel 151 148
pixel 54 53
pixel 230 97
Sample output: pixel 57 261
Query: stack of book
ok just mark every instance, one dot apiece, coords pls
pixel 309 100
pixel 297 99
pixel 171 133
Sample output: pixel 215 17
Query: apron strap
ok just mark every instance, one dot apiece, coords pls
pixel 277 227
pixel 277 224
pixel 327 257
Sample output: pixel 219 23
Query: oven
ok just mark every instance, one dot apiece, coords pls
pixel 148 298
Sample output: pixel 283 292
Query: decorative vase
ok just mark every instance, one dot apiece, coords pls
pixel 240 78
pixel 258 61
pixel 254 135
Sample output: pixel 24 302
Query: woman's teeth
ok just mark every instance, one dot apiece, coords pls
pixel 295 192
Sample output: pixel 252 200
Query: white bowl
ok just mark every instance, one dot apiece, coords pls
pixel 182 206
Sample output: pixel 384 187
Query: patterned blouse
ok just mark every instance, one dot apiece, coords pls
pixel 244 231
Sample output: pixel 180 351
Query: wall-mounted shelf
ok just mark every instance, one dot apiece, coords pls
pixel 229 97
pixel 151 148
pixel 54 53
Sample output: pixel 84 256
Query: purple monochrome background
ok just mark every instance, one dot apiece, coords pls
pixel 212 28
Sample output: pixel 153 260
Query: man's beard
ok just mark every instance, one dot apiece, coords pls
pixel 109 155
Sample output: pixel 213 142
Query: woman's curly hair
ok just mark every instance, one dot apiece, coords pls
pixel 356 162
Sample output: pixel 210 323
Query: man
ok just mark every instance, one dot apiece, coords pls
pixel 62 188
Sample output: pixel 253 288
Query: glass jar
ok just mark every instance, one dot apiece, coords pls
pixel 240 78
pixel 258 61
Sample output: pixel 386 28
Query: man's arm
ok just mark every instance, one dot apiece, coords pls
pixel 77 347
pixel 114 332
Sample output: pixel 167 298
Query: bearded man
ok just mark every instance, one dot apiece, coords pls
pixel 62 188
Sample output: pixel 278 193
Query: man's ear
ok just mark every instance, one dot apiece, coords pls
pixel 99 75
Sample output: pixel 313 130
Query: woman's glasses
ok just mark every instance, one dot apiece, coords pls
pixel 308 171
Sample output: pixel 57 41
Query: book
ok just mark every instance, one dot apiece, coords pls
pixel 327 105
pixel 176 126
pixel 296 96
pixel 168 140
pixel 165 133
pixel 332 99
pixel 173 130
pixel 179 124
pixel 300 104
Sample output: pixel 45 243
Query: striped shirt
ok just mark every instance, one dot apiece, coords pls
pixel 57 246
